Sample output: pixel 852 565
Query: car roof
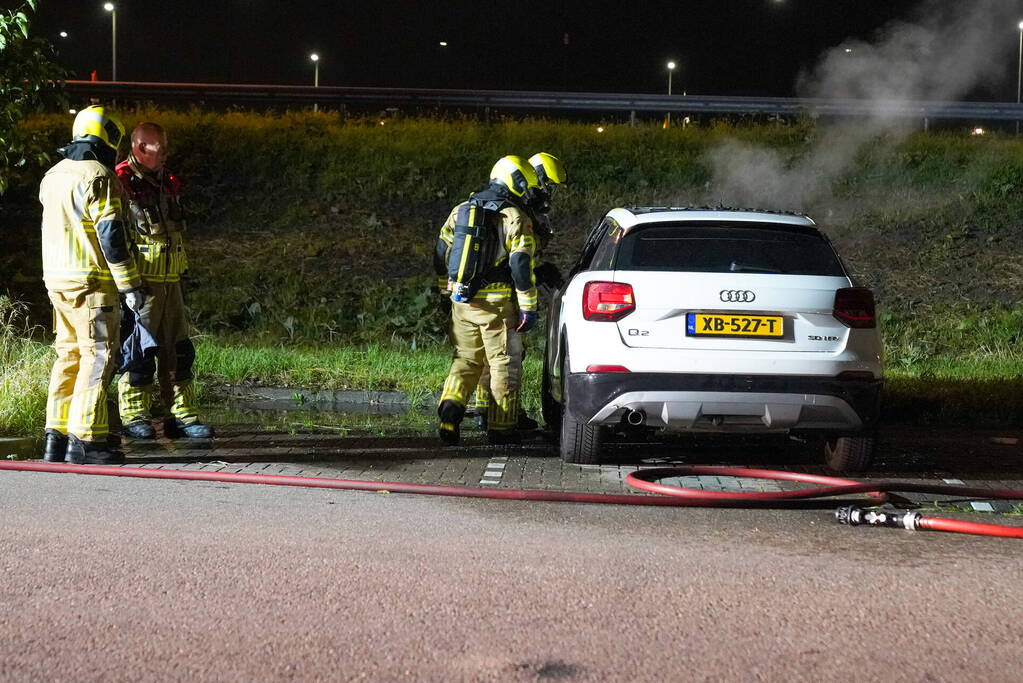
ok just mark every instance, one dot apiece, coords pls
pixel 631 216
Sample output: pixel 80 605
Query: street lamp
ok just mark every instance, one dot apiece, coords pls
pixel 1019 73
pixel 113 31
pixel 315 58
pixel 63 34
pixel 671 69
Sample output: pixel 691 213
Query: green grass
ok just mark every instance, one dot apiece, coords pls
pixel 24 373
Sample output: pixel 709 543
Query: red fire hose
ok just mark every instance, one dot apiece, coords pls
pixel 645 480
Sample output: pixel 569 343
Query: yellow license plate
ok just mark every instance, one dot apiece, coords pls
pixel 728 325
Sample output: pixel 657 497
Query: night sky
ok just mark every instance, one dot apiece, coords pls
pixel 723 47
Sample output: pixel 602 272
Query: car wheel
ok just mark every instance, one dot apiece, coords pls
pixel 580 442
pixel 550 408
pixel 844 454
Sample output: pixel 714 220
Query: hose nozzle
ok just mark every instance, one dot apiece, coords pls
pixel 854 515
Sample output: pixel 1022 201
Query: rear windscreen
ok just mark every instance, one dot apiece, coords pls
pixel 727 249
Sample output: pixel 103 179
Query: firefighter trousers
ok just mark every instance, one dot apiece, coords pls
pixel 85 324
pixel 165 317
pixel 482 401
pixel 483 334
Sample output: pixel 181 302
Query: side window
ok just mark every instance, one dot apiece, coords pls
pixel 590 246
pixel 604 255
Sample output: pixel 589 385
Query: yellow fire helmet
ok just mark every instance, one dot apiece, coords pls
pixel 514 173
pixel 94 122
pixel 549 169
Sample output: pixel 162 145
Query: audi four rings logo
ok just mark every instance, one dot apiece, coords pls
pixel 739 296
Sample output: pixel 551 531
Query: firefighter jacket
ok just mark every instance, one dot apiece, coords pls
pixel 158 221
pixel 514 258
pixel 84 242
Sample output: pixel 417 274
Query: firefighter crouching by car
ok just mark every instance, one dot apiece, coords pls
pixel 87 263
pixel 550 172
pixel 158 228
pixel 491 235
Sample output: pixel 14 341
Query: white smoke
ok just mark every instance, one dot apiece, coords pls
pixel 945 50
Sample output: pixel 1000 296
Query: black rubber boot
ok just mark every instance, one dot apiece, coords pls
pixel 174 428
pixel 138 429
pixel 54 446
pixel 451 415
pixel 92 453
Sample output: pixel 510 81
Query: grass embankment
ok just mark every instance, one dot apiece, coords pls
pixel 24 373
pixel 311 235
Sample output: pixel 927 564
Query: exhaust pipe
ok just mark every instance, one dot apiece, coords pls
pixel 635 417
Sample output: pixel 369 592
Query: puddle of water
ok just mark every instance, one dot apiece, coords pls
pixel 341 419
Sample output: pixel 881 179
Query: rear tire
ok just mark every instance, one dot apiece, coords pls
pixel 847 454
pixel 580 442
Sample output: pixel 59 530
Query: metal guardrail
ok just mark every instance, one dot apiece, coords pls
pixel 240 94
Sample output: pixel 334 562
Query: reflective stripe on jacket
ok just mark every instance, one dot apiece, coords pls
pixel 83 235
pixel 517 245
pixel 157 225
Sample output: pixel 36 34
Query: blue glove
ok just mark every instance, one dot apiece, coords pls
pixel 527 321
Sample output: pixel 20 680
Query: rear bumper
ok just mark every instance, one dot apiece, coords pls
pixel 726 403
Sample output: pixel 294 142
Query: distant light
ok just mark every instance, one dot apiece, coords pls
pixel 443 43
pixel 671 65
pixel 315 57
pixel 109 7
pixel 72 111
pixel 382 122
pixel 600 129
pixel 978 131
pixel 63 34
pixel 848 50
pixel 1021 26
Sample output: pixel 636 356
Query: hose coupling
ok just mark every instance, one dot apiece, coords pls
pixel 854 515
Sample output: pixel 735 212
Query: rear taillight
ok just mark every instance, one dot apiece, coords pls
pixel 606 368
pixel 854 307
pixel 607 301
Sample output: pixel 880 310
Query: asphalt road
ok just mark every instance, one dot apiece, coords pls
pixel 107 578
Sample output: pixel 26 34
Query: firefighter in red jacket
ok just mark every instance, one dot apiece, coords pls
pixel 158 231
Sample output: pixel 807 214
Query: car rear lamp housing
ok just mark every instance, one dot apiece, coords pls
pixel 606 368
pixel 607 301
pixel 854 307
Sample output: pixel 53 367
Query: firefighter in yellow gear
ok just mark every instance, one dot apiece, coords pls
pixel 550 172
pixel 157 229
pixel 485 326
pixel 87 264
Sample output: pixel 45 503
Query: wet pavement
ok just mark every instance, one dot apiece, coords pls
pixel 386 448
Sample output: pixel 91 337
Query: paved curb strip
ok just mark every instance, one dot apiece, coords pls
pixel 18 448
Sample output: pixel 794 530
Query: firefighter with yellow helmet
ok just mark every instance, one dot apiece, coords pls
pixel 484 256
pixel 87 266
pixel 550 172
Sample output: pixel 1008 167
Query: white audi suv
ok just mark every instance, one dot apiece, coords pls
pixel 712 320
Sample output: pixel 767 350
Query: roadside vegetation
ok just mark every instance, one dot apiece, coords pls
pixel 311 235
pixel 25 364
